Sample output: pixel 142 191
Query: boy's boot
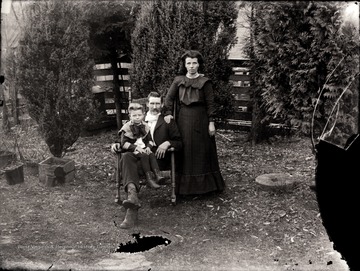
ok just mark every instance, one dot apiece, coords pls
pixel 150 180
pixel 131 218
pixel 159 178
pixel 132 200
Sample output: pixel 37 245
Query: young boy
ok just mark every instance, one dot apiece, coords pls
pixel 135 137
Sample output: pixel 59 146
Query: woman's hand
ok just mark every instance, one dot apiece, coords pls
pixel 211 128
pixel 168 118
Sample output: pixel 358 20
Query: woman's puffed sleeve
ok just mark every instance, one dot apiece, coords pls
pixel 170 98
pixel 209 99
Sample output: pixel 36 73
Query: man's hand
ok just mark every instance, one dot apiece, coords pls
pixel 140 150
pixel 115 147
pixel 168 118
pixel 211 128
pixel 147 150
pixel 161 150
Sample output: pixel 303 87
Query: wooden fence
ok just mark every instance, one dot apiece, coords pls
pixel 241 93
pixel 104 94
pixel 103 91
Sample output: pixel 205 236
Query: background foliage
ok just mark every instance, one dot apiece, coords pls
pixel 292 60
pixel 54 72
pixel 165 29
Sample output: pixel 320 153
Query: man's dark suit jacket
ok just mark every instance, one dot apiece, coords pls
pixel 166 132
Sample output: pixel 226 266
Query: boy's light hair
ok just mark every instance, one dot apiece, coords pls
pixel 135 106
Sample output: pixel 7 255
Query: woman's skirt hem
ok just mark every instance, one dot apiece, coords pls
pixel 199 184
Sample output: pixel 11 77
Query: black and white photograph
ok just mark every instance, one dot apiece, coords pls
pixel 179 135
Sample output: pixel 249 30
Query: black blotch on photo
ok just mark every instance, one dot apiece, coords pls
pixel 140 244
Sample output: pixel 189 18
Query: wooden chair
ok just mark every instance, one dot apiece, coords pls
pixel 119 198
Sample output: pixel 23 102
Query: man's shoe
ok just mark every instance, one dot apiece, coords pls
pixel 131 219
pixel 159 178
pixel 150 181
pixel 132 201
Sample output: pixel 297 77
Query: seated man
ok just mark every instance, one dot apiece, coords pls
pixel 164 136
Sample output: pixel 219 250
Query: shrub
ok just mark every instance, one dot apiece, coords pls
pixel 54 72
pixel 296 47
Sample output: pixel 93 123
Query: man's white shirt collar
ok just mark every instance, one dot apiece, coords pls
pixel 152 120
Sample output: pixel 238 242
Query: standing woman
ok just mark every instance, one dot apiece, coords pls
pixel 197 170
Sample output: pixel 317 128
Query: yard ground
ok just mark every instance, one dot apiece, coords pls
pixel 245 228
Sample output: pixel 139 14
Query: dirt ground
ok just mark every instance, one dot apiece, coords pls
pixel 75 226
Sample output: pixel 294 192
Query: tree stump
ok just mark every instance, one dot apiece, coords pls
pixel 56 171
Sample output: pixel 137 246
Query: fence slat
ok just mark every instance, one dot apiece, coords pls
pixel 122 71
pixel 239 77
pixel 109 84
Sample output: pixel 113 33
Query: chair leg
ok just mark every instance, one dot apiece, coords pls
pixel 118 179
pixel 173 195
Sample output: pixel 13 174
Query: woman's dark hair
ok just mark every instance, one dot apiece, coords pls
pixel 192 54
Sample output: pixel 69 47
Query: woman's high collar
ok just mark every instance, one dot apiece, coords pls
pixel 192 76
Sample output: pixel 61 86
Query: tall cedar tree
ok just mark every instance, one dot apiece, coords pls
pixel 293 58
pixel 111 24
pixel 165 29
pixel 55 72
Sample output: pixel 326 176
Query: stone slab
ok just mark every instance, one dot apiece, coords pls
pixel 275 181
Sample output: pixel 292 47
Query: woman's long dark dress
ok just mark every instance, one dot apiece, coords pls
pixel 197 167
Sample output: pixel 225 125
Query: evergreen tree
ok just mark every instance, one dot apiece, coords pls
pixel 294 58
pixel 55 72
pixel 165 29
